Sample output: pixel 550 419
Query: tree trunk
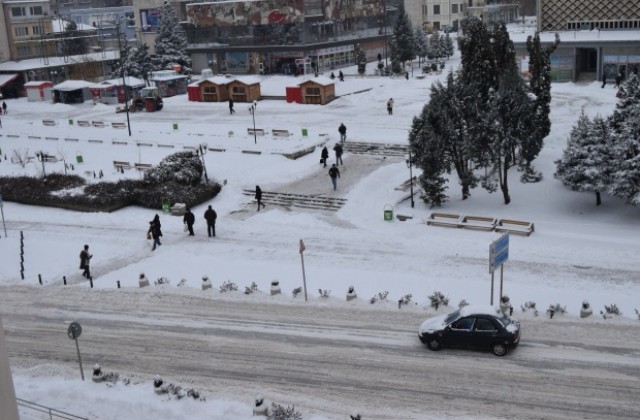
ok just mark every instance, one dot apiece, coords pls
pixel 598 200
pixel 504 186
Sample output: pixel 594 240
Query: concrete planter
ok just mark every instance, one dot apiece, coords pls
pixel 275 288
pixel 206 283
pixel 143 281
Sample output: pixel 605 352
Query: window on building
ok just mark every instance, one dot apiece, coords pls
pixel 436 9
pixel 23 51
pixel 18 11
pixel 35 10
pixel 238 89
pixel 454 8
pixel 36 30
pixel 313 91
pixel 21 31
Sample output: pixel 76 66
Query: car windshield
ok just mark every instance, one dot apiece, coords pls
pixel 452 317
pixel 503 318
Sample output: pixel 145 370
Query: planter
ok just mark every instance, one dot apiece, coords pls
pixel 275 288
pixel 206 283
pixel 585 313
pixel 143 282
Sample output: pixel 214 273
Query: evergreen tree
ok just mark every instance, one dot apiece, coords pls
pixel 420 43
pixel 403 44
pixel 396 63
pixel 139 62
pixel 540 85
pixel 124 51
pixel 362 61
pixel 448 45
pixel 477 56
pixel 625 123
pixel 587 161
pixel 171 41
pixel 73 43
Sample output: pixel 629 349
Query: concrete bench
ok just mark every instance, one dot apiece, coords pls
pixel 257 131
pixel 403 217
pixel 142 166
pixel 280 133
pixel 118 164
pixel 84 124
pixel 49 123
pixel 118 125
pixel 444 219
pixel 98 124
pixel 479 223
pixel 514 226
pixel 48 158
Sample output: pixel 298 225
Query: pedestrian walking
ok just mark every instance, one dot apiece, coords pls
pixel 390 106
pixel 155 232
pixel 338 150
pixel 334 173
pixel 85 257
pixel 343 132
pixel 618 79
pixel 210 216
pixel 259 197
pixel 341 76
pixel 604 79
pixel 324 155
pixel 189 219
pixel 231 110
pixel 4 107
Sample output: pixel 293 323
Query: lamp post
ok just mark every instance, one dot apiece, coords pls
pixel 203 151
pixel 124 82
pixel 410 164
pixel 252 110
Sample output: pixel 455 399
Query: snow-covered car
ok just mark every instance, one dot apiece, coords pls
pixel 479 327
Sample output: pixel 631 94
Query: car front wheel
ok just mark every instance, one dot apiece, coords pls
pixel 434 344
pixel 499 349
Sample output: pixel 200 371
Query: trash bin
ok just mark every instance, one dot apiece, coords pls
pixel 388 213
pixel 305 133
pixel 70 121
pixel 175 126
pixel 79 159
pixel 166 206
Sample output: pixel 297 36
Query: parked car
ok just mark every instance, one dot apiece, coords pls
pixel 479 327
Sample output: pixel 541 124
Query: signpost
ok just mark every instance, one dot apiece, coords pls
pixel 304 278
pixel 498 255
pixel 74 332
pixel 2 210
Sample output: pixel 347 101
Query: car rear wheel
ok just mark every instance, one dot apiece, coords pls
pixel 434 344
pixel 499 349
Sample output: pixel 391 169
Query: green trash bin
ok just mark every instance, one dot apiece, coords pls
pixel 79 159
pixel 305 133
pixel 166 205
pixel 70 121
pixel 388 213
pixel 175 126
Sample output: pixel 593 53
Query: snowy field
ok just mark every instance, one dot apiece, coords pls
pixel 578 251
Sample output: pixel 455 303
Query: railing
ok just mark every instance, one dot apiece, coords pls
pixel 52 413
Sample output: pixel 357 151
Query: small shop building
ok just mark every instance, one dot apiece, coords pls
pixel 169 82
pixel 244 89
pixel 73 92
pixel 211 89
pixel 39 91
pixel 317 91
pixel 114 91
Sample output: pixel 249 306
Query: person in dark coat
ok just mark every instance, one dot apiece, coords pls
pixel 189 219
pixel 341 76
pixel 338 150
pixel 390 106
pixel 4 107
pixel 259 197
pixel 334 173
pixel 604 79
pixel 324 155
pixel 618 79
pixel 156 232
pixel 231 111
pixel 343 132
pixel 84 261
pixel 210 216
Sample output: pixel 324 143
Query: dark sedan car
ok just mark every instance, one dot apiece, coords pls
pixel 480 327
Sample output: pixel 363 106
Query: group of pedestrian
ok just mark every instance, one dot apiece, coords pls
pixel 210 216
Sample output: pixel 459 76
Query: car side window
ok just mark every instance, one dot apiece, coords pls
pixel 483 324
pixel 463 324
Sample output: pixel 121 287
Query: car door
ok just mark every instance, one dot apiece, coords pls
pixel 484 333
pixel 458 333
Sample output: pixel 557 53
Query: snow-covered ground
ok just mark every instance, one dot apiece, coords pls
pixel 578 251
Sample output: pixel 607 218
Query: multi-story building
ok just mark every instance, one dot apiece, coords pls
pixel 444 14
pixel 27 22
pixel 563 15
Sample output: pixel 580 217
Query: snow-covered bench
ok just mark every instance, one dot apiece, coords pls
pixel 515 226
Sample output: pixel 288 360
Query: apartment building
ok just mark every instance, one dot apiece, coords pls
pixel 441 15
pixel 26 22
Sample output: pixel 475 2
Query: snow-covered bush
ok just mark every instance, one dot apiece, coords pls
pixel 162 281
pixel 380 297
pixel 556 309
pixel 279 412
pixel 296 291
pixel 228 286
pixel 463 303
pixel 610 311
pixel 324 293
pixel 529 305
pixel 438 299
pixel 182 282
pixel 404 300
pixel 251 289
pixel 184 168
pixel 638 313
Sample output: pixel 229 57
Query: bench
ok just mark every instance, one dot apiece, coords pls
pixel 143 166
pixel 280 133
pixel 121 165
pixel 48 158
pixel 444 219
pixel 118 125
pixel 98 124
pixel 478 222
pixel 514 226
pixel 255 131
pixel 84 124
pixel 403 217
pixel 49 123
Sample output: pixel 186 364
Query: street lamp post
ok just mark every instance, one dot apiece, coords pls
pixel 410 165
pixel 252 110
pixel 203 151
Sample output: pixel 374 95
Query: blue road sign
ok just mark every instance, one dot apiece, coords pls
pixel 498 252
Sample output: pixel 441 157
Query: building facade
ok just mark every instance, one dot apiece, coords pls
pixel 442 15
pixel 568 15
